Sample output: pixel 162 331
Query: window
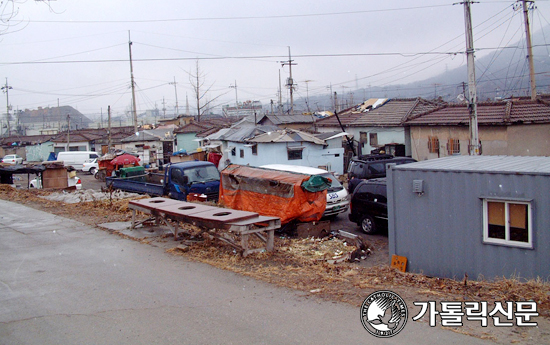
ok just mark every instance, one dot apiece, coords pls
pixel 373 138
pixel 507 222
pixel 254 149
pixel 294 153
pixel 241 153
pixel 433 145
pixel 177 177
pixel 453 146
pixel 233 151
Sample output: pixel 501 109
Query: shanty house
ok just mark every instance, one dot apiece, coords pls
pixel 472 215
pixel 288 146
pixel 153 146
pixel 517 127
pixel 186 136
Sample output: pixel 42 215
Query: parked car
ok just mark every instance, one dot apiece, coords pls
pixel 12 159
pixel 72 181
pixel 90 166
pixel 337 195
pixel 369 205
pixel 371 166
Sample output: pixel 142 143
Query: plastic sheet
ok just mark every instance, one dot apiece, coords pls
pixel 271 193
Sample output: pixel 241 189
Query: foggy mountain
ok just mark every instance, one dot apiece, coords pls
pixel 500 74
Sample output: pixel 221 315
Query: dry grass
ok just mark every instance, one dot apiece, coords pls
pixel 301 263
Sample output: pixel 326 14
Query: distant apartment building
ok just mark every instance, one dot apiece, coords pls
pixel 247 108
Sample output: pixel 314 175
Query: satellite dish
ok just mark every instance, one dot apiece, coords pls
pixel 461 97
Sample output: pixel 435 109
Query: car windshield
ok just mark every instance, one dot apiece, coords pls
pixel 335 184
pixel 202 174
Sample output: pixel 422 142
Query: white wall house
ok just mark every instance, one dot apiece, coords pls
pixel 283 147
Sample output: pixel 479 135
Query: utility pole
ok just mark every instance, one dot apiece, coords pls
pixel 529 49
pixel 290 81
pixel 333 105
pixel 6 88
pixel 109 124
pixel 163 108
pixel 307 94
pixel 472 90
pixel 474 147
pixel 68 131
pixel 198 95
pixel 280 106
pixel 236 97
pixel 187 112
pixel 134 112
pixel 176 90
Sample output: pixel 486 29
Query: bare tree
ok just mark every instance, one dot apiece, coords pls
pixel 198 81
pixel 9 10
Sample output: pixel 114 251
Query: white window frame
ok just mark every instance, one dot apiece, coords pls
pixel 506 241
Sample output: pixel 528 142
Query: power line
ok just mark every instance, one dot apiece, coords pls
pixel 240 17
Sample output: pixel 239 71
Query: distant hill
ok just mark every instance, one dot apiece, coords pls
pixel 504 73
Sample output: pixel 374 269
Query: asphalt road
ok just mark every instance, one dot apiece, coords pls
pixel 62 282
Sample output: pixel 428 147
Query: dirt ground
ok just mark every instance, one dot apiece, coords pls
pixel 302 264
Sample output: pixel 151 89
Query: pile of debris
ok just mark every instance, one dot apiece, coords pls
pixel 88 195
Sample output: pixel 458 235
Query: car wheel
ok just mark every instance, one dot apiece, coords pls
pixel 367 225
pixel 93 171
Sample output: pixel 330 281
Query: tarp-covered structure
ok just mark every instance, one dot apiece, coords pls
pixel 289 196
pixel 7 171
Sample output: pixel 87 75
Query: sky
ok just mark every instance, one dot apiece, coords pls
pixel 76 53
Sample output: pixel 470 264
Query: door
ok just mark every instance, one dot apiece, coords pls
pixel 177 188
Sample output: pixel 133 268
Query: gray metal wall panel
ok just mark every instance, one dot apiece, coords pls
pixel 441 232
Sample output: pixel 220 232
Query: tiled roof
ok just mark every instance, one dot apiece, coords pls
pixel 193 127
pixel 488 113
pixel 332 121
pixel 394 112
pixel 77 137
pixel 391 113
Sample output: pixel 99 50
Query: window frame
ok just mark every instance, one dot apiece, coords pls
pixel 506 241
pixel 293 150
pixel 433 144
pixel 373 139
pixel 453 146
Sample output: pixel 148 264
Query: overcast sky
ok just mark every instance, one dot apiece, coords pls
pixel 76 52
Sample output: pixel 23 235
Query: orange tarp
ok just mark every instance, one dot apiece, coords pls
pixel 271 193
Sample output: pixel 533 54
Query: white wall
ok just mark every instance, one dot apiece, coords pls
pixel 276 153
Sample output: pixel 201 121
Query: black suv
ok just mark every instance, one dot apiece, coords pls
pixel 371 166
pixel 368 205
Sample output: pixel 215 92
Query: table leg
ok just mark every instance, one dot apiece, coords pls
pixel 270 240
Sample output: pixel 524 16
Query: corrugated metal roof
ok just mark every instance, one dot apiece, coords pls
pixel 289 119
pixel 484 164
pixel 287 135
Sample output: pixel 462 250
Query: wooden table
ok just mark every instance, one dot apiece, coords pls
pixel 208 218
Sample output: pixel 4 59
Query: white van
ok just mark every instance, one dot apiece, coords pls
pixel 337 195
pixel 76 158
